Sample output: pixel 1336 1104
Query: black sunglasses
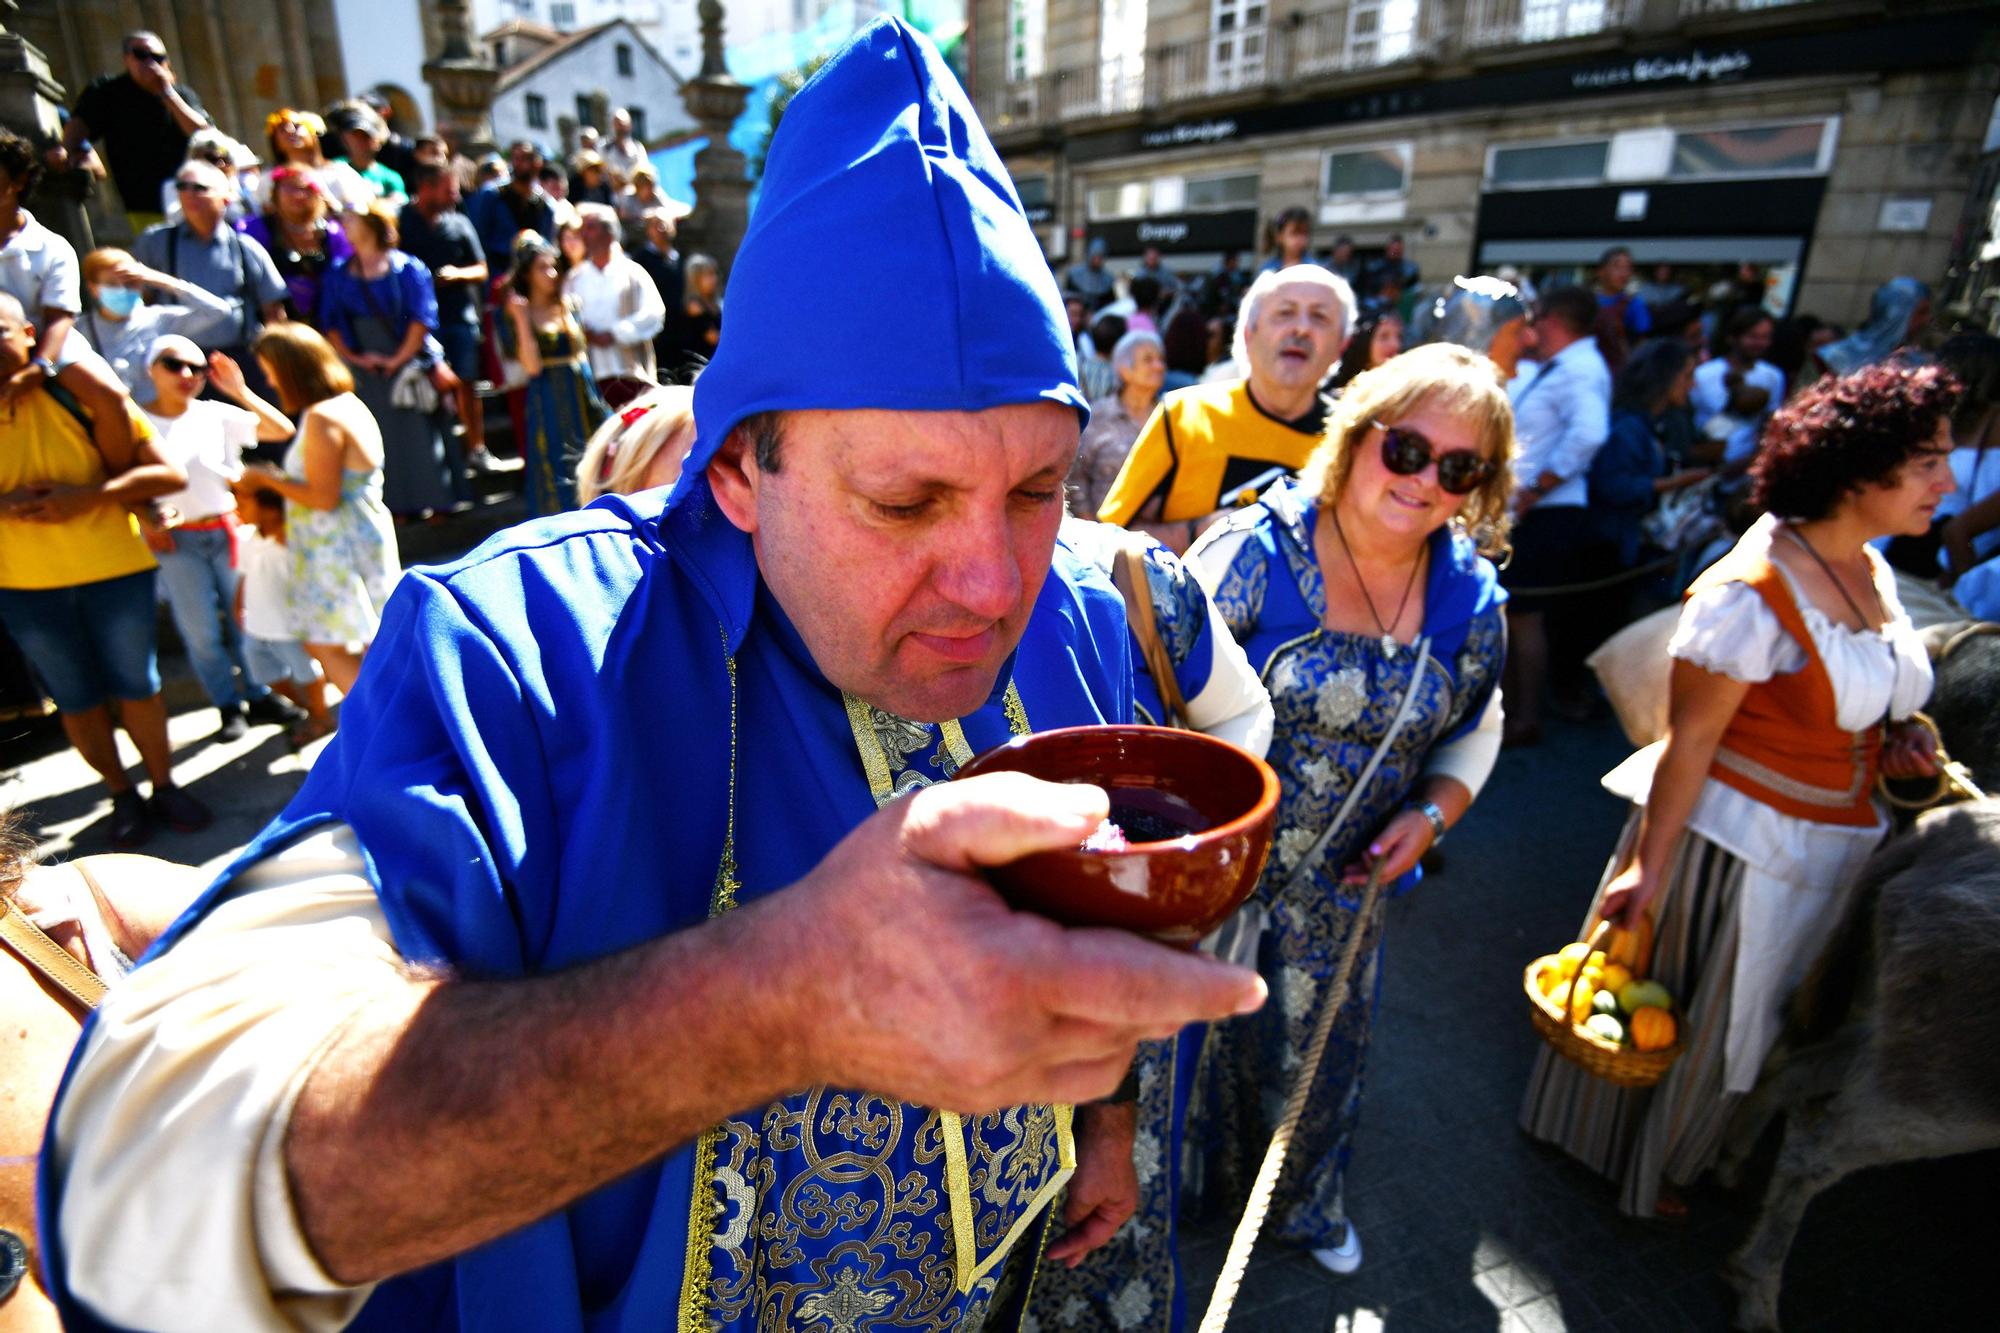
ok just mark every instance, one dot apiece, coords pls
pixel 1406 453
pixel 146 57
pixel 181 367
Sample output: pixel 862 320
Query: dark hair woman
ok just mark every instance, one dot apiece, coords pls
pixel 1793 661
pixel 562 406
pixel 1634 469
pixel 302 239
pixel 1376 336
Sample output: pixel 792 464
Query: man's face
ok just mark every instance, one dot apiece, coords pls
pixel 1297 333
pixel 201 203
pixel 1151 259
pixel 1077 312
pixel 554 184
pixel 439 193
pixel 1394 249
pixel 17 339
pixel 1343 254
pixel 621 127
pixel 661 233
pixel 360 144
pixel 146 61
pixel 525 164
pixel 1754 341
pixel 1614 273
pixel 597 237
pixel 907 547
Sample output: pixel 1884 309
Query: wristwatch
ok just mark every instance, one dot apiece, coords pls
pixel 1429 810
pixel 43 364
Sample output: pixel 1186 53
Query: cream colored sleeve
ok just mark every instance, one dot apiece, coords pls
pixel 1471 757
pixel 175 1210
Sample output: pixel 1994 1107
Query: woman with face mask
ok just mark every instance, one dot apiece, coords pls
pixel 121 325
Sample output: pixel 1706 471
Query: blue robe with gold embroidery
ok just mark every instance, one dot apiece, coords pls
pixel 537 767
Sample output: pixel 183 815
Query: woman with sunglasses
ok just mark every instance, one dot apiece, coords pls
pixel 1368 574
pixel 1793 665
pixel 196 545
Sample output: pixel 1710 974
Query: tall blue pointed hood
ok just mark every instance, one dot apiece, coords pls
pixel 889 263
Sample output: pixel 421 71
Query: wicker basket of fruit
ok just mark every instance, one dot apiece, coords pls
pixel 1596 1013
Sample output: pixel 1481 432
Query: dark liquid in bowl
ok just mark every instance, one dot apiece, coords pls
pixel 1146 814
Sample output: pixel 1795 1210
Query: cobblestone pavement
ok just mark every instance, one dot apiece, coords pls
pixel 1465 1224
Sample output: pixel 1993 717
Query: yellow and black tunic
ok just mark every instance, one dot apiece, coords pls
pixel 1201 443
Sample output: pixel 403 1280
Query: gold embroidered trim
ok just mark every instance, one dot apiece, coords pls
pixel 1803 792
pixel 702 1204
pixel 967 1267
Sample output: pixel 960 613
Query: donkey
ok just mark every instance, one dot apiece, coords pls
pixel 1899 1078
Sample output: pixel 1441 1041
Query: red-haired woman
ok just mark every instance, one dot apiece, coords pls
pixel 1793 665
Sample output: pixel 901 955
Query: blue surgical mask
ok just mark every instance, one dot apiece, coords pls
pixel 118 302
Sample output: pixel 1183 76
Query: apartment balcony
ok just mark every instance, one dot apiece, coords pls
pixel 1263 57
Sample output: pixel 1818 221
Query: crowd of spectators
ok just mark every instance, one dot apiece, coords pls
pixel 303 336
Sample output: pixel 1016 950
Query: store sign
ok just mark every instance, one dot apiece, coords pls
pixel 1695 67
pixel 1039 215
pixel 1939 41
pixel 1180 233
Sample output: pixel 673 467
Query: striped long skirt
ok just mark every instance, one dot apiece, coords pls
pixel 1640 1137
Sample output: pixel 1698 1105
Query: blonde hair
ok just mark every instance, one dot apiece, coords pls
pixel 623 450
pixel 1442 377
pixel 304 367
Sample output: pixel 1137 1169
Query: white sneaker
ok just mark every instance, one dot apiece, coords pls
pixel 1343 1258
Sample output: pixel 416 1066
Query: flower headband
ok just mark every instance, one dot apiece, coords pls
pixel 305 120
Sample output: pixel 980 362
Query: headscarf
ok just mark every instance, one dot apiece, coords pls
pixel 941 301
pixel 1888 327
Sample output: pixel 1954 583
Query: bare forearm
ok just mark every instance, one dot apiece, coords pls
pixel 136 485
pixel 461 1111
pixel 55 329
pixel 184 115
pixel 1677 782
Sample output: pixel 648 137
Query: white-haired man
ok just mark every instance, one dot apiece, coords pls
pixel 619 307
pixel 623 154
pixel 1207 441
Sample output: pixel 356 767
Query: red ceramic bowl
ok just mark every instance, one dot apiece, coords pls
pixel 1207 805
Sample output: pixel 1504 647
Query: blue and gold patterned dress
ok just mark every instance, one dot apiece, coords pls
pixel 1336 694
pixel 562 410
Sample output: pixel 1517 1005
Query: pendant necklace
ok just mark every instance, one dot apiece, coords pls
pixel 1389 644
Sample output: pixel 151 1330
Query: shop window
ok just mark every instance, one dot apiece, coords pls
pixel 1034 191
pixel 1027 22
pixel 538 111
pixel 624 60
pixel 1764 150
pixel 1126 199
pixel 1217 192
pixel 1580 162
pixel 1366 172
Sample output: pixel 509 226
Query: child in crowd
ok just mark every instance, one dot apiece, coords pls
pixel 276 655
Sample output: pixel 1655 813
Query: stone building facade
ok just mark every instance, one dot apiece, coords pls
pixel 1832 144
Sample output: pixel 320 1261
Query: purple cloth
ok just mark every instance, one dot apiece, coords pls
pixel 304 274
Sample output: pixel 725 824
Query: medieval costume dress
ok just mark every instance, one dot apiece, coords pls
pixel 1760 878
pixel 1335 694
pixel 598 729
pixel 1133 1279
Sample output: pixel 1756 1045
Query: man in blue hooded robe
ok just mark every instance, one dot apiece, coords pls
pixel 599 977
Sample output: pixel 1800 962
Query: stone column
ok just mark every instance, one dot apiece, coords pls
pixel 461 81
pixel 29 99
pixel 721 185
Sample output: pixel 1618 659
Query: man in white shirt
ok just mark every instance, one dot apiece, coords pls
pixel 624 154
pixel 1736 393
pixel 619 307
pixel 1562 416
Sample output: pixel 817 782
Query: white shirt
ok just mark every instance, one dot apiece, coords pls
pixel 619 299
pixel 623 157
pixel 198 314
pixel 266 563
pixel 1562 417
pixel 1796 872
pixel 38 268
pixel 207 440
pixel 1711 397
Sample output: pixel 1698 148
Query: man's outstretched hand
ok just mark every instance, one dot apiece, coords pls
pixel 925 986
